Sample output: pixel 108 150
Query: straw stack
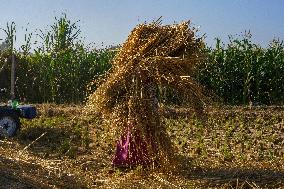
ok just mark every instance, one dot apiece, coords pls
pixel 152 56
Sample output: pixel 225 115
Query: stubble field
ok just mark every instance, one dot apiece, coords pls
pixel 237 147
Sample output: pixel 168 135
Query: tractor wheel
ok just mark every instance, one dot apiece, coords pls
pixel 9 124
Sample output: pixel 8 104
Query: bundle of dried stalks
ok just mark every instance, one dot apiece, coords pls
pixel 153 55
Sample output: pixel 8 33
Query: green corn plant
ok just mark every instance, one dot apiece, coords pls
pixel 243 72
pixel 8 52
pixel 61 67
pixel 10 32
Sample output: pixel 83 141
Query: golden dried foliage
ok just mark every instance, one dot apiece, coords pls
pixel 152 56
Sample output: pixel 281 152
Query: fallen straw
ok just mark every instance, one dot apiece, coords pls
pixel 25 148
pixel 153 56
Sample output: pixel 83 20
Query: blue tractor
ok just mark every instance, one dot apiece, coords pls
pixel 10 118
pixel 11 112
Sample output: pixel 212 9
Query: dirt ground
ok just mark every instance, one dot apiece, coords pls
pixel 57 150
pixel 25 170
pixel 9 181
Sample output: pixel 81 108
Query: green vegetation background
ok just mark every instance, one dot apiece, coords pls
pixel 61 68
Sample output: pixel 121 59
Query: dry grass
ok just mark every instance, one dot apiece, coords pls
pixel 238 148
pixel 153 55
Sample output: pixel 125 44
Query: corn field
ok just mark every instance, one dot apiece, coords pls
pixel 60 77
pixel 60 68
pixel 245 73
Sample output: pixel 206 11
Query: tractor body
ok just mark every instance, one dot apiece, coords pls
pixel 10 118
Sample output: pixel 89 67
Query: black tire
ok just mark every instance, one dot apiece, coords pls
pixel 9 124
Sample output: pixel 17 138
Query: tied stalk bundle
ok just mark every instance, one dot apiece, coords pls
pixel 152 56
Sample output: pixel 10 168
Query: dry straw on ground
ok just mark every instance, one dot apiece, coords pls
pixel 152 56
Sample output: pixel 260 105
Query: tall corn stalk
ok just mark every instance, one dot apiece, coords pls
pixel 10 32
pixel 243 72
pixel 60 69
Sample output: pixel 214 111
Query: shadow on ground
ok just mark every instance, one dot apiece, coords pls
pixel 9 180
pixel 241 178
pixel 234 177
pixel 47 140
pixel 18 174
